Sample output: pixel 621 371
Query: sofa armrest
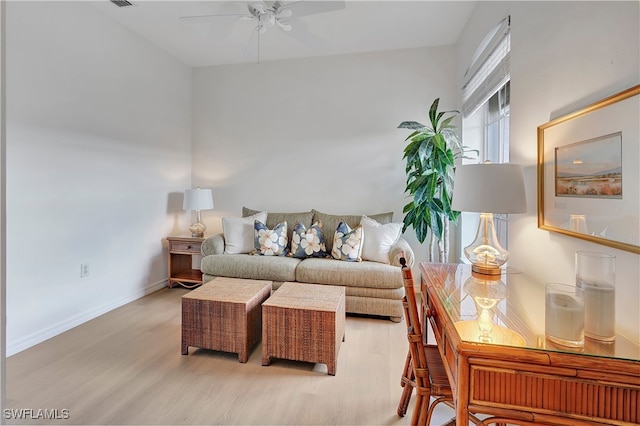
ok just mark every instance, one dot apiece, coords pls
pixel 401 248
pixel 213 245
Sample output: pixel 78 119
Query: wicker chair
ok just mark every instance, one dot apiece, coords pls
pixel 423 368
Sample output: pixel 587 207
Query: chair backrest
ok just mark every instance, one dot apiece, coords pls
pixel 414 328
pixel 413 319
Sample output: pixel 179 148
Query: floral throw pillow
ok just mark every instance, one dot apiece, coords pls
pixel 270 242
pixel 347 243
pixel 308 242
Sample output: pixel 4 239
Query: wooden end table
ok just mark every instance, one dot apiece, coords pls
pixel 181 252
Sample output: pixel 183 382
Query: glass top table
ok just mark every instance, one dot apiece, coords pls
pixel 491 338
pixel 507 310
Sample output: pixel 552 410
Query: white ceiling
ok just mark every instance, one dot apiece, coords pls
pixel 361 26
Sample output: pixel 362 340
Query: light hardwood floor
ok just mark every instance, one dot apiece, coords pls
pixel 125 367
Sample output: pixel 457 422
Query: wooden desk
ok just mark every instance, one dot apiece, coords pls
pixel 510 370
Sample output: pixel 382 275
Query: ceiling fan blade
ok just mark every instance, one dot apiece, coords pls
pixel 215 27
pixel 283 14
pixel 306 8
pixel 207 18
pixel 300 32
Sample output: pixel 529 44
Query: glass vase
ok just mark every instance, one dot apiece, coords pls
pixel 596 275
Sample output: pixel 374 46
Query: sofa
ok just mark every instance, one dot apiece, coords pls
pixel 373 282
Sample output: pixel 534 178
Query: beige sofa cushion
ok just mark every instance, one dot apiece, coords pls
pixel 330 223
pixel 215 245
pixel 254 267
pixel 350 274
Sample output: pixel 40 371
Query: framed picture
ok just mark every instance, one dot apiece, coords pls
pixel 591 168
pixel 588 172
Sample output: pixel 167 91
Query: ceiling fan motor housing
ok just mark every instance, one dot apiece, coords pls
pixel 269 16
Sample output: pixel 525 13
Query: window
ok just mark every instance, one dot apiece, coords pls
pixel 497 147
pixel 497 126
pixel 490 68
pixel 485 120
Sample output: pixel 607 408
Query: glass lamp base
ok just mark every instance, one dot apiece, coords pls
pixel 197 229
pixel 485 253
pixel 486 269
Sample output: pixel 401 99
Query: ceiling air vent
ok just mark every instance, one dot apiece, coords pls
pixel 121 3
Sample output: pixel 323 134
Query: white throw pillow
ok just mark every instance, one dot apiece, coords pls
pixel 378 239
pixel 239 233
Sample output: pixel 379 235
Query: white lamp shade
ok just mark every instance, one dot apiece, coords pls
pixel 198 199
pixel 489 188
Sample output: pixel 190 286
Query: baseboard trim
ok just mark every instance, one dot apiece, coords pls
pixel 33 339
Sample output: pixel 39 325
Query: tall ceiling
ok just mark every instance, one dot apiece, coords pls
pixel 352 26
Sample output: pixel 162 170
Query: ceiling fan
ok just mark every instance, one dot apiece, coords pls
pixel 270 14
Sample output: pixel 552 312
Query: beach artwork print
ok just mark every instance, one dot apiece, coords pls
pixel 592 168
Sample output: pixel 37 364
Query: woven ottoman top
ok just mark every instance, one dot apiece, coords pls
pixel 234 290
pixel 307 296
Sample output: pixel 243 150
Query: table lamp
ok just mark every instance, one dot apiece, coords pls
pixel 488 188
pixel 198 199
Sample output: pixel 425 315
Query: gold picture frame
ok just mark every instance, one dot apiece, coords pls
pixel 593 155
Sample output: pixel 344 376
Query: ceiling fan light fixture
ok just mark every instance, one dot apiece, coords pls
pixel 270 18
pixel 262 26
pixel 285 26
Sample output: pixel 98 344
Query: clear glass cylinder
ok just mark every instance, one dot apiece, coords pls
pixel 596 275
pixel 564 314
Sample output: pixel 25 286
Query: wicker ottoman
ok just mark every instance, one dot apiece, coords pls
pixel 224 314
pixel 304 322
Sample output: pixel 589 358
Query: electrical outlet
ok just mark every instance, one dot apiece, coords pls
pixel 84 270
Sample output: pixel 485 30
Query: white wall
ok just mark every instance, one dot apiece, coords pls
pixel 3 205
pixel 564 56
pixel 314 133
pixel 98 152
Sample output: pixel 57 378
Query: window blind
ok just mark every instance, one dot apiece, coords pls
pixel 489 69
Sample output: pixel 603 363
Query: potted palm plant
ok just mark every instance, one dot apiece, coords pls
pixel 431 152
